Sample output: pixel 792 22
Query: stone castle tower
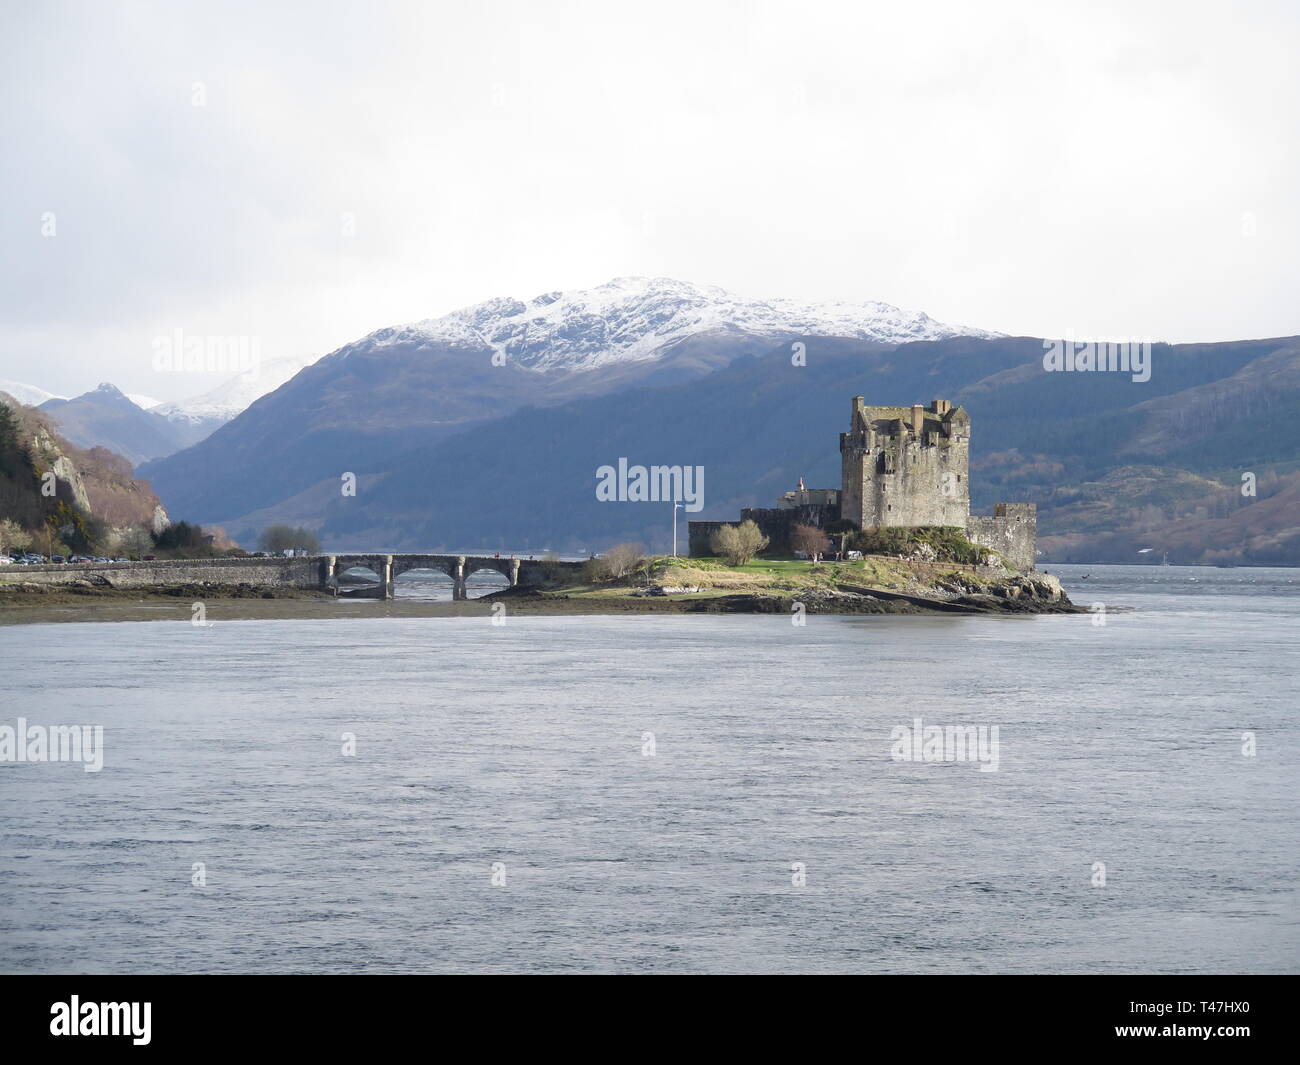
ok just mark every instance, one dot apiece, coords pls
pixel 906 465
pixel 901 466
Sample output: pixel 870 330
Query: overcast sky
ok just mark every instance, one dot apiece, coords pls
pixel 1036 168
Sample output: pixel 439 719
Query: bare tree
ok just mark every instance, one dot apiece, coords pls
pixel 810 540
pixel 621 559
pixel 842 528
pixel 135 541
pixel 279 538
pixel 738 544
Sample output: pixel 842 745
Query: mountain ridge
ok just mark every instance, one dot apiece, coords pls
pixel 633 318
pixel 403 387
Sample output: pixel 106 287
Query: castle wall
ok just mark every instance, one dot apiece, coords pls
pixel 699 534
pixel 1012 532
pixel 778 523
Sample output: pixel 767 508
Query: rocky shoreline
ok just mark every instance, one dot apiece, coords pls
pixel 1021 594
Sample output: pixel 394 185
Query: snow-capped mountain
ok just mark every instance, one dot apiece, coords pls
pixel 219 405
pixel 27 394
pixel 407 387
pixel 632 319
pixel 143 402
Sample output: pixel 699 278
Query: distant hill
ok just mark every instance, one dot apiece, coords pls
pixel 154 429
pixel 105 417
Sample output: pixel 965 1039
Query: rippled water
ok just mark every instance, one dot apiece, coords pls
pixel 523 743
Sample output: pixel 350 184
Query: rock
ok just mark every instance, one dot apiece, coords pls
pixel 1051 587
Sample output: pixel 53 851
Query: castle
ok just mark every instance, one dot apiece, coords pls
pixel 900 466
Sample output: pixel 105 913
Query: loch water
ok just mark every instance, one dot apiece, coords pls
pixel 667 793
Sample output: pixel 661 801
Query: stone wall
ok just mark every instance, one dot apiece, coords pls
pixel 227 572
pixel 935 569
pixel 1012 532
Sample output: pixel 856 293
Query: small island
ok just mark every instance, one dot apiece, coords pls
pixel 896 537
pixel 926 576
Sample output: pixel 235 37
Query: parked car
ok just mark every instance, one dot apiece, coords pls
pixel 58 559
pixel 150 558
pixel 5 560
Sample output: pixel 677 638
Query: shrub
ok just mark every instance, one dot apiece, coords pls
pixel 181 536
pixel 620 560
pixel 940 542
pixel 738 544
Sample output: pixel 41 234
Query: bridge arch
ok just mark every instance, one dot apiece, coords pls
pixel 439 563
pixel 458 567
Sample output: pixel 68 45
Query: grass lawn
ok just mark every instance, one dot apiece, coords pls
pixel 713 577
pixel 784 574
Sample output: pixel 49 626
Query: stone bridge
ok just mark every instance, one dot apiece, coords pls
pixel 320 572
pixel 518 571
